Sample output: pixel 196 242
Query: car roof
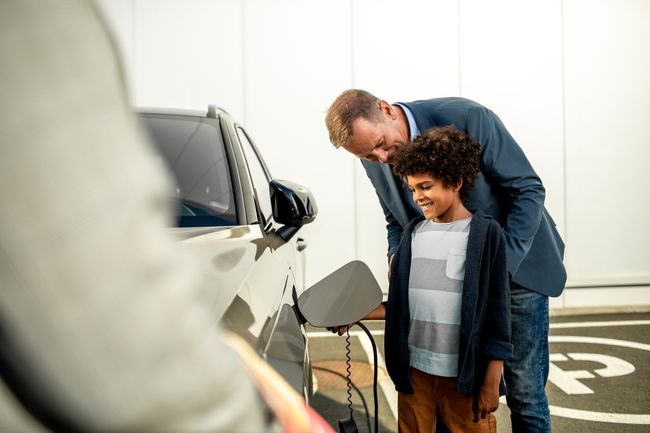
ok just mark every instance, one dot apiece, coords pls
pixel 213 111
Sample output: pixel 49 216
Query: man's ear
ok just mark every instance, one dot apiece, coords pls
pixel 387 109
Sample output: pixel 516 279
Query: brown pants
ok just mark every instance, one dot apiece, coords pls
pixel 435 395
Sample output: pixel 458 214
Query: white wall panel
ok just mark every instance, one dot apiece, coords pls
pixel 511 62
pixel 402 51
pixel 567 77
pixel 608 108
pixel 119 15
pixel 189 54
pixel 297 60
pixel 405 50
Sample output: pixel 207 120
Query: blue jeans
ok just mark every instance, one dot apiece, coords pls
pixel 527 373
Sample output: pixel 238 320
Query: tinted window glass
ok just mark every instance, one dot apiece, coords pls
pixel 258 173
pixel 193 149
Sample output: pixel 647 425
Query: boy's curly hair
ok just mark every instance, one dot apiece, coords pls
pixel 444 152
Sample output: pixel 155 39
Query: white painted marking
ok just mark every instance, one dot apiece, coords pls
pixel 598 340
pixel 587 415
pixel 356 333
pixel 599 324
pixel 385 383
pixel 618 418
pixel 613 366
pixel 566 380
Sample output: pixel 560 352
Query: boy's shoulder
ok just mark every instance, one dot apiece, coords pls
pixel 487 223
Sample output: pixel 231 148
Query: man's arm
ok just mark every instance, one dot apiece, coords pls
pixel 393 227
pixel 505 166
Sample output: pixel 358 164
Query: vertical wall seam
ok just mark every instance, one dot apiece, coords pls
pixel 355 163
pixel 564 121
pixel 242 17
pixel 460 50
pixel 134 53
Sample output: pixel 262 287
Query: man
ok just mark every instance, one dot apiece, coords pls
pixel 507 188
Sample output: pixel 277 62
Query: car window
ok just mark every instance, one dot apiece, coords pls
pixel 258 174
pixel 193 149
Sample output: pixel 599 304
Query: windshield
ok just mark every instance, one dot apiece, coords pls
pixel 192 148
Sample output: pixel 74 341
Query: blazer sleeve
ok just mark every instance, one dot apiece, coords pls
pixel 505 166
pixel 498 312
pixel 394 229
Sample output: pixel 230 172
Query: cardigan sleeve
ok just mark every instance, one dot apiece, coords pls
pixel 498 344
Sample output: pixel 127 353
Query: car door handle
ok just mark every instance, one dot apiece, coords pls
pixel 301 244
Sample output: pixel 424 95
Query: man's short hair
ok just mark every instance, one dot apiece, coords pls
pixel 444 152
pixel 348 107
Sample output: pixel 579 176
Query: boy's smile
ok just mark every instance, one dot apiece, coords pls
pixel 438 202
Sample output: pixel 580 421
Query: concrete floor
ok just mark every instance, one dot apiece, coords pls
pixel 599 380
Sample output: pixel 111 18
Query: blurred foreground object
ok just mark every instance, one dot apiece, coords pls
pixel 103 319
pixel 287 405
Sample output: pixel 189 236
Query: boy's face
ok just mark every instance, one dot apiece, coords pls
pixel 437 201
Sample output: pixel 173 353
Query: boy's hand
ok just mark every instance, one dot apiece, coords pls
pixel 487 400
pixel 340 329
pixel 378 313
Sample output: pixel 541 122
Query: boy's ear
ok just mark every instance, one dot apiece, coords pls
pixel 459 185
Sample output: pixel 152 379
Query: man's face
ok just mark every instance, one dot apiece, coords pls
pixel 377 141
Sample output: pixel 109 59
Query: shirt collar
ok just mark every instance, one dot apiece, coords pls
pixel 413 128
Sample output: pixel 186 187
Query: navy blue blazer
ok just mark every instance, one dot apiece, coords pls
pixel 485 307
pixel 507 188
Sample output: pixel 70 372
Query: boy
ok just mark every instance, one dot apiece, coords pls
pixel 448 310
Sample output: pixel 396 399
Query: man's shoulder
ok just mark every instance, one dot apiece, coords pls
pixel 448 102
pixel 451 110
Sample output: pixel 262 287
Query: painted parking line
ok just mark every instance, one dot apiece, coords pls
pixel 601 324
pixel 596 324
pixel 385 383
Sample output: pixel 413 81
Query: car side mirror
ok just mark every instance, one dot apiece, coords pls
pixel 345 296
pixel 293 205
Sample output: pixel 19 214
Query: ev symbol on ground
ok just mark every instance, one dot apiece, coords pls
pixel 567 380
pixel 572 381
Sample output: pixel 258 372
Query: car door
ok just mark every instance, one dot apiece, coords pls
pixel 285 344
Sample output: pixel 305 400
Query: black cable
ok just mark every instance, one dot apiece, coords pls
pixel 356 388
pixel 374 383
pixel 348 375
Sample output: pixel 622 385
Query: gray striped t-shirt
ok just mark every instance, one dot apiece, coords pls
pixel 435 294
